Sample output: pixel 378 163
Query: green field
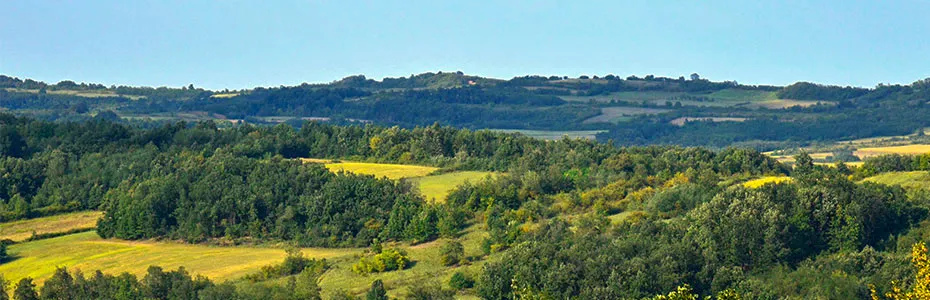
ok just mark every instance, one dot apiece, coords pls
pixel 88 252
pixel 23 229
pixel 436 187
pixel 553 135
pixel 426 268
pixel 910 180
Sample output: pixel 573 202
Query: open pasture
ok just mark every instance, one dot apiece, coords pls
pixel 436 187
pixel 906 149
pixel 391 171
pixel 23 229
pixel 759 182
pixel 88 252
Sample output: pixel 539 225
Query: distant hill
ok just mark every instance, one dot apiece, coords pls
pixel 631 111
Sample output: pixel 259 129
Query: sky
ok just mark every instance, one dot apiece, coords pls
pixel 244 44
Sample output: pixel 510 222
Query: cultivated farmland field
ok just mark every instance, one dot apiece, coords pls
pixel 23 229
pixel 907 149
pixel 436 187
pixel 88 252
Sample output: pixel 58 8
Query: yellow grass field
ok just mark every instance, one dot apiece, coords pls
pixel 392 171
pixel 907 149
pixel 759 182
pixel 23 229
pixel 909 180
pixel 436 187
pixel 433 187
pixel 88 252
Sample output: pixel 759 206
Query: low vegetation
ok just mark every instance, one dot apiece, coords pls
pixel 88 252
pixel 24 229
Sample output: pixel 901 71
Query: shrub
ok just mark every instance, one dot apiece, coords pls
pixel 461 281
pixel 388 260
pixel 451 253
pixel 293 264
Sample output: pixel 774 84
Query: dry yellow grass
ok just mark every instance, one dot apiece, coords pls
pixel 88 252
pixel 23 229
pixel 759 182
pixel 392 171
pixel 437 187
pixel 906 149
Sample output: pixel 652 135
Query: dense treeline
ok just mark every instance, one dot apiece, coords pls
pixel 785 240
pixel 811 91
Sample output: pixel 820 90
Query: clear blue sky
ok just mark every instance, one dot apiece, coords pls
pixel 241 44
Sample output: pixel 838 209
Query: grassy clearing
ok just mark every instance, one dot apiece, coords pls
pixel 436 187
pixel 88 252
pixel 392 171
pixel 23 229
pixel 759 182
pixel 909 180
pixel 906 149
pixel 619 114
pixel 554 135
pixel 426 268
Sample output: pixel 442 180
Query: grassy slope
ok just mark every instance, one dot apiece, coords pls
pixel 21 230
pixel 426 268
pixel 436 187
pixel 916 179
pixel 88 252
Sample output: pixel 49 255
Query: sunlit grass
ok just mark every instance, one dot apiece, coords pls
pixel 88 252
pixel 23 229
pixel 759 182
pixel 437 187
